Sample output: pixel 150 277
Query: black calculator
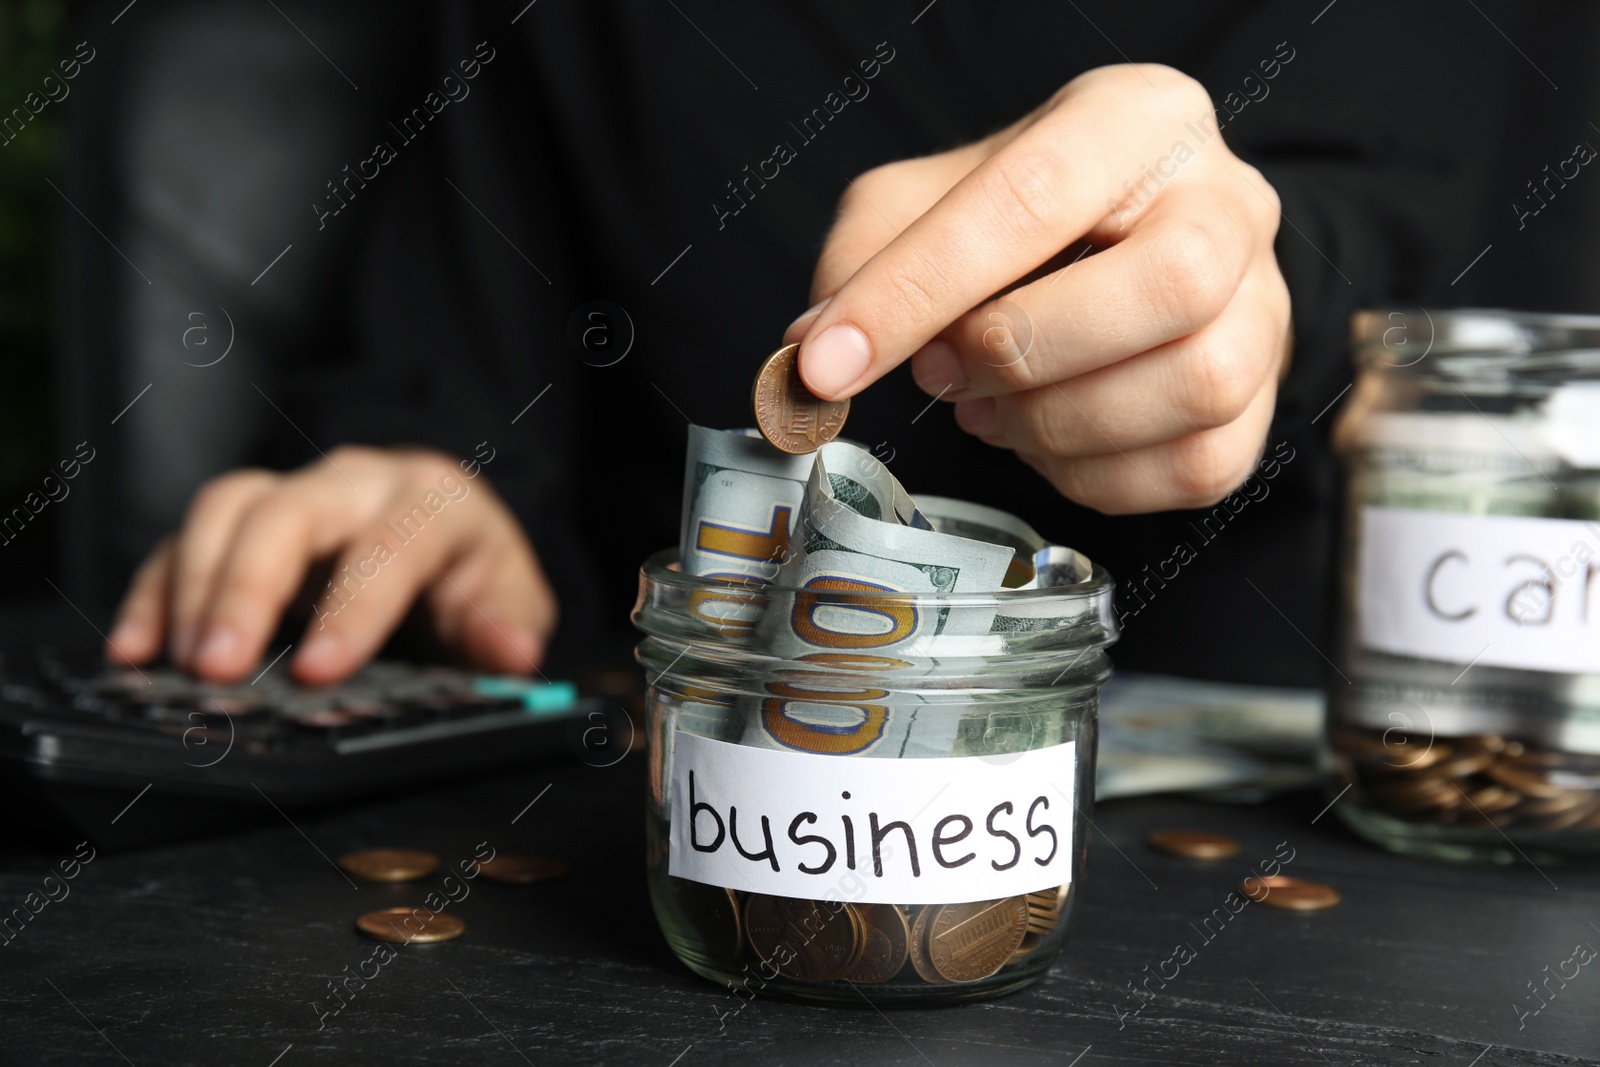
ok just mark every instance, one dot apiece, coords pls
pixel 129 756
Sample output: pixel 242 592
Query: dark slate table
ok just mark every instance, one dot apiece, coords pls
pixel 220 950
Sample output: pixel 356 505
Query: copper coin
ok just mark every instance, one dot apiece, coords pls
pixel 410 924
pixel 1493 798
pixel 1044 909
pixel 1569 818
pixel 1470 760
pixel 790 416
pixel 1523 780
pixel 1405 755
pixel 1194 844
pixel 1292 894
pixel 967 942
pixel 820 944
pixel 521 870
pixel 713 913
pixel 888 940
pixel 389 864
pixel 1557 805
pixel 1029 946
pixel 917 949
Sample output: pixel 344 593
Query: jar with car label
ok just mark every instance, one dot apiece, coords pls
pixel 1465 720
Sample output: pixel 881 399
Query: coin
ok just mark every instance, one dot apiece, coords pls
pixel 521 870
pixel 1194 844
pixel 410 924
pixel 1030 945
pixel 1493 798
pixel 788 414
pixel 713 913
pixel 1523 780
pixel 917 949
pixel 888 937
pixel 389 864
pixel 967 942
pixel 821 944
pixel 1044 909
pixel 1292 894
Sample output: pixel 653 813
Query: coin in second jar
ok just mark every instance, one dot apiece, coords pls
pixel 389 864
pixel 967 942
pixel 888 938
pixel 821 945
pixel 1292 894
pixel 410 924
pixel 790 416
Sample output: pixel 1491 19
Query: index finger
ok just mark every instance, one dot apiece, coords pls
pixel 1045 188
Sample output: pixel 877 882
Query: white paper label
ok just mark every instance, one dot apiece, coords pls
pixel 1506 591
pixel 883 831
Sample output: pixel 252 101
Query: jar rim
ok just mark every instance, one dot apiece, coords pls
pixel 1478 345
pixel 657 568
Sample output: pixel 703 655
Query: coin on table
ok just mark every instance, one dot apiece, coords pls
pixel 389 864
pixel 823 945
pixel 410 924
pixel 790 416
pixel 967 942
pixel 1292 894
pixel 521 870
pixel 888 938
pixel 1194 844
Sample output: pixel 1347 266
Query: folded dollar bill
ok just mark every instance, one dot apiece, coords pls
pixel 813 542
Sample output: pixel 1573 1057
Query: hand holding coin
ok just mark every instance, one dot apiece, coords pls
pixel 790 416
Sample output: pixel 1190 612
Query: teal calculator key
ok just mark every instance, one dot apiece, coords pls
pixel 541 698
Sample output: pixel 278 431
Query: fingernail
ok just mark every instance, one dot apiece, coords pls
pixel 797 329
pixel 219 644
pixel 320 653
pixel 937 369
pixel 835 360
pixel 183 640
pixel 980 417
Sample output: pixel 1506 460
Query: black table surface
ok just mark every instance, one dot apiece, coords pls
pixel 221 950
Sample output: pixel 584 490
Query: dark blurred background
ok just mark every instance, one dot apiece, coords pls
pixel 31 33
pixel 192 148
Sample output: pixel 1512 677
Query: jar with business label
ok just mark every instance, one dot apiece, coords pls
pixel 1465 722
pixel 889 801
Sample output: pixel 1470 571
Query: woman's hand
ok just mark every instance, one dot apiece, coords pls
pixel 399 525
pixel 1136 379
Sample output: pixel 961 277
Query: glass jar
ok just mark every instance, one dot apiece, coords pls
pixel 1467 722
pixel 908 827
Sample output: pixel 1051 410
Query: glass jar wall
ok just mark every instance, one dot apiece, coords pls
pixel 909 826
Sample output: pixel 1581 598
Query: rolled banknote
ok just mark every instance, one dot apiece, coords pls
pixel 859 532
pixel 741 498
pixel 817 527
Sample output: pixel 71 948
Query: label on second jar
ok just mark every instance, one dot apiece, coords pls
pixel 910 831
pixel 1505 591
